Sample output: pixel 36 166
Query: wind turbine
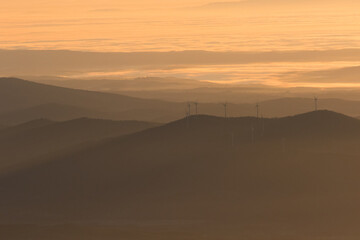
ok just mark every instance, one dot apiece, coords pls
pixel 316 103
pixel 189 108
pixel 225 104
pixel 196 107
pixel 257 110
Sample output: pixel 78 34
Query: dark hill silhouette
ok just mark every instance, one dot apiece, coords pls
pixel 26 143
pixel 51 111
pixel 257 177
pixel 22 94
pixel 33 124
pixel 144 83
pixel 17 95
pixel 181 90
pixel 22 101
pixel 318 124
pixel 25 127
pixel 291 106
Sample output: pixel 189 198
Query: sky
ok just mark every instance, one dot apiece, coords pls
pixel 168 25
pixel 180 25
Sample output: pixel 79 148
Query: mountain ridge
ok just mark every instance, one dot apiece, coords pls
pixel 192 170
pixel 40 138
pixel 30 101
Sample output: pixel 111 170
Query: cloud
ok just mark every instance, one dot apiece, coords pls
pixel 105 10
pixel 273 68
pixel 225 4
pixel 290 6
pixel 339 76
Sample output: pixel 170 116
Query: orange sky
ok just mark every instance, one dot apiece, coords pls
pixel 179 25
pixel 165 25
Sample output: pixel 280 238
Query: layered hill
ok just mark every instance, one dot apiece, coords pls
pixel 22 101
pixel 114 85
pixel 28 143
pixel 237 177
pixel 56 112
pixel 20 97
pixel 291 106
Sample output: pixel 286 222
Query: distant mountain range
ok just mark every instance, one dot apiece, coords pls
pixel 230 176
pixel 181 90
pixel 116 85
pixel 22 101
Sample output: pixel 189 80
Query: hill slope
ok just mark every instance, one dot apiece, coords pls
pixel 232 176
pixel 51 111
pixel 19 95
pixel 25 144
pixel 292 106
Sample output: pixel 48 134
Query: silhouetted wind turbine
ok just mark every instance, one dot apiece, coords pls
pixel 189 108
pixel 316 103
pixel 196 107
pixel 225 104
pixel 257 110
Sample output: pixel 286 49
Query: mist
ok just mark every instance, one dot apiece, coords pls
pixel 179 119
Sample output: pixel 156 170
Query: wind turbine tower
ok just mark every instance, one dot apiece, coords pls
pixel 257 110
pixel 189 108
pixel 196 107
pixel 225 108
pixel 316 100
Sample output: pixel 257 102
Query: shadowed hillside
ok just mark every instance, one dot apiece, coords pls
pixel 18 129
pixel 291 106
pixel 56 112
pixel 289 178
pixel 27 143
pixel 31 99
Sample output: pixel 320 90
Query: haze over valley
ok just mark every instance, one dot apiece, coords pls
pixel 184 120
